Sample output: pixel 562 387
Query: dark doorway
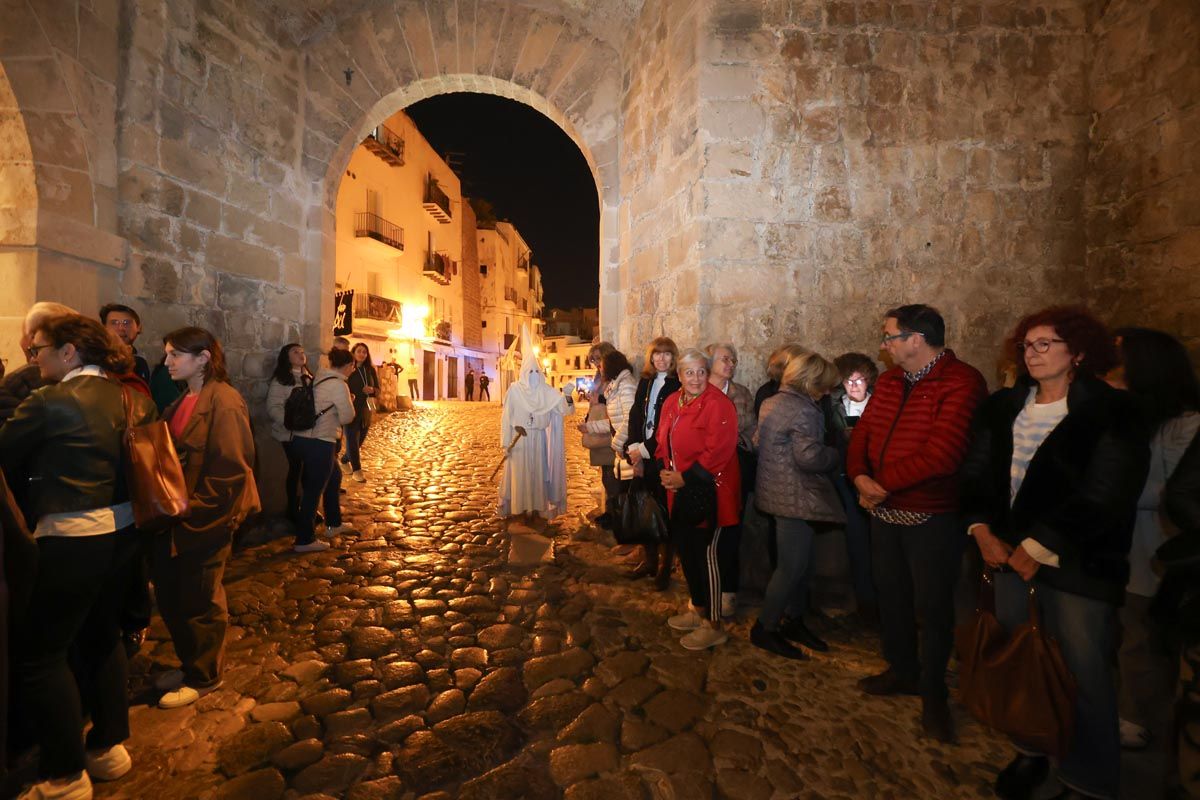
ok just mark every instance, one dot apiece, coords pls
pixel 452 385
pixel 429 374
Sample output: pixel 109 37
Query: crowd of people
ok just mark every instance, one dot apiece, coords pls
pixel 1081 477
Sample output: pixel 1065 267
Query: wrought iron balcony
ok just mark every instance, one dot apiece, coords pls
pixel 376 307
pixel 436 202
pixel 439 268
pixel 387 144
pixel 523 262
pixel 510 294
pixel 376 227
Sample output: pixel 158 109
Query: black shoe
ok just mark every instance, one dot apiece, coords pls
pixel 936 721
pixel 868 615
pixel 605 521
pixel 642 570
pixel 772 642
pixel 662 581
pixel 887 683
pixel 1022 775
pixel 132 642
pixel 795 630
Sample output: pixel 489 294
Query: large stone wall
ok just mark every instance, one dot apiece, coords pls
pixel 660 257
pixel 860 155
pixel 1143 198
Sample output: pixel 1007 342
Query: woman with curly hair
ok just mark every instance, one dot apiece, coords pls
pixel 1050 491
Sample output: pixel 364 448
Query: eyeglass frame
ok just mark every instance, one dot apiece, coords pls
pixel 1040 346
pixel 34 349
pixel 902 335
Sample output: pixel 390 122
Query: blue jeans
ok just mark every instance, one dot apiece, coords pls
pixel 356 434
pixel 321 480
pixel 1085 629
pixel 858 542
pixel 788 588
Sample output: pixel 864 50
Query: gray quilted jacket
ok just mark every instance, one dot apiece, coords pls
pixel 794 463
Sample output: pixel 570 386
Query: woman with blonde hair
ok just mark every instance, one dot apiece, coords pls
pixel 658 382
pixel 795 470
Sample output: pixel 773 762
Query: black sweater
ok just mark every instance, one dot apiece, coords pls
pixel 1079 495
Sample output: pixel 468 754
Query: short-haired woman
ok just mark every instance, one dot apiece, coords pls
pixel 211 429
pixel 1050 490
pixel 1154 367
pixel 658 382
pixel 775 364
pixel 291 370
pixel 795 470
pixel 363 384
pixel 846 405
pixel 696 446
pixel 70 435
pixel 321 480
pixel 723 357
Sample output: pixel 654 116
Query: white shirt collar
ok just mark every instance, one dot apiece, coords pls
pixel 86 369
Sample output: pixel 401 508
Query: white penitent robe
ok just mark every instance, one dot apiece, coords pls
pixel 535 474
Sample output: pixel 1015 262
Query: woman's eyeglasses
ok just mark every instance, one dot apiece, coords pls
pixel 1038 345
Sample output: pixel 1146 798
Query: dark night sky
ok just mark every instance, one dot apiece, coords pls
pixel 534 176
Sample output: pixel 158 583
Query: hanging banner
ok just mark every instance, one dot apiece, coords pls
pixel 343 313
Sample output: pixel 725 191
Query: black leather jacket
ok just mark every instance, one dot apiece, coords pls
pixel 71 433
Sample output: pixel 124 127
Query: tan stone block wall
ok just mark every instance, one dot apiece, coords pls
pixel 860 155
pixel 1143 213
pixel 472 333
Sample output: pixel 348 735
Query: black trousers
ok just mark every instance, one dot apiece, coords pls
pixel 191 599
pixel 138 605
pixel 292 482
pixel 76 602
pixel 698 556
pixel 916 570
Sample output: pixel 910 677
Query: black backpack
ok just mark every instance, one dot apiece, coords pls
pixel 300 409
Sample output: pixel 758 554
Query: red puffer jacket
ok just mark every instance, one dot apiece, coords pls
pixel 703 438
pixel 914 447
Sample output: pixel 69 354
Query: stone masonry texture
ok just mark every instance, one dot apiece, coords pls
pixel 766 169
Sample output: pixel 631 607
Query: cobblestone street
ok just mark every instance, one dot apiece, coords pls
pixel 412 660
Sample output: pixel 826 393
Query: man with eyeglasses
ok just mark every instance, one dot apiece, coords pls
pixel 125 323
pixel 904 456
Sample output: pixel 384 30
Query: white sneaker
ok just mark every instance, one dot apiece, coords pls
pixel 346 468
pixel 171 679
pixel 1133 736
pixel 185 696
pixel 703 638
pixel 339 529
pixel 687 621
pixel 79 788
pixel 108 765
pixel 315 546
pixel 728 604
pixel 358 476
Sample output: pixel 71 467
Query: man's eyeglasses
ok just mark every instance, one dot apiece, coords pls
pixel 1038 345
pixel 119 323
pixel 886 339
pixel 34 349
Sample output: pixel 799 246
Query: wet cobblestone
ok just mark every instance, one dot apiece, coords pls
pixel 412 660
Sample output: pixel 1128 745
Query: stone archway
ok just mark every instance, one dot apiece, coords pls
pixel 58 160
pixel 505 50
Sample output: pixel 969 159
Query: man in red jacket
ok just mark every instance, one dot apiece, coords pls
pixel 904 457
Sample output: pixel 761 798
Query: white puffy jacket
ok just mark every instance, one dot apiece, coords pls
pixel 618 396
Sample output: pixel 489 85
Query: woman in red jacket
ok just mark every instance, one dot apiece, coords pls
pixel 696 441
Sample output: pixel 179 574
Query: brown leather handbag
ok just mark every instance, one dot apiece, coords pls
pixel 157 489
pixel 1016 683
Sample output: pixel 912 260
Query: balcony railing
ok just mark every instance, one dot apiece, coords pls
pixel 373 306
pixel 376 227
pixel 510 294
pixel 523 263
pixel 436 202
pixel 387 144
pixel 439 268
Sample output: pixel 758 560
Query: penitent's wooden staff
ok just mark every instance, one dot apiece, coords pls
pixel 520 432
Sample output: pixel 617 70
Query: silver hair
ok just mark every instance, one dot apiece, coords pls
pixel 693 355
pixel 715 346
pixel 40 312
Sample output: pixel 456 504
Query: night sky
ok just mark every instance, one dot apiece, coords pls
pixel 534 176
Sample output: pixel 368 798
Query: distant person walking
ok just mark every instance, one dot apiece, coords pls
pixel 484 382
pixel 414 390
pixel 470 384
